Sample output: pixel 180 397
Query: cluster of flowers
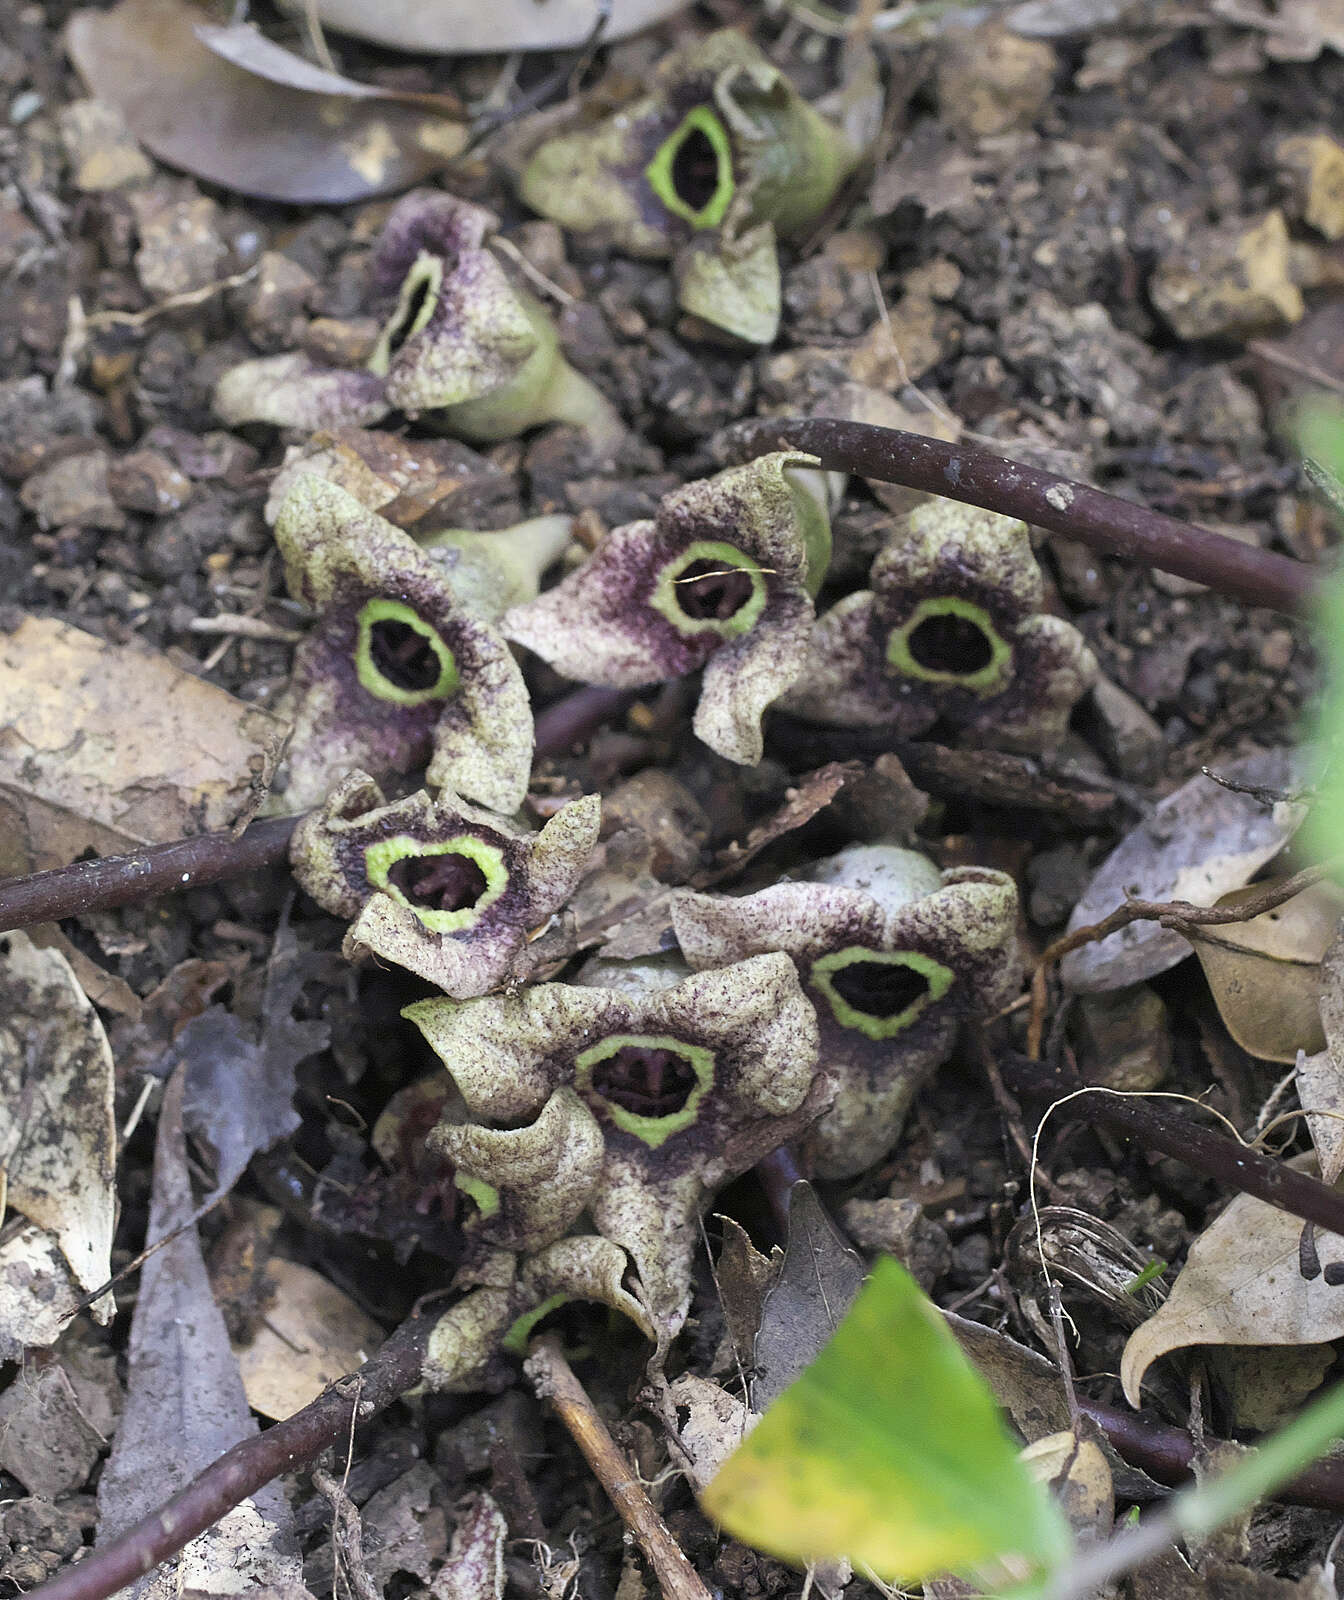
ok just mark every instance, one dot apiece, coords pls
pixel 593 1120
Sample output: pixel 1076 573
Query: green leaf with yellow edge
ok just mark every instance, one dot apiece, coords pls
pixel 889 1450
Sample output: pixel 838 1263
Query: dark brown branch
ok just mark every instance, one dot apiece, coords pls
pixel 161 869
pixel 1235 1166
pixel 1168 1454
pixel 243 1470
pixel 143 874
pixel 1101 521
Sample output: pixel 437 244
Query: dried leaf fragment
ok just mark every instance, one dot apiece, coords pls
pixel 248 133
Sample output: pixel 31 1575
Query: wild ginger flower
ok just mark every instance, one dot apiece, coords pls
pixel 951 629
pixel 722 578
pixel 436 886
pixel 893 954
pixel 398 670
pixel 686 1086
pixel 463 349
pixel 723 152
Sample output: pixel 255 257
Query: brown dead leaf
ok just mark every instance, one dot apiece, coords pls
pixel 311 1335
pixel 1241 1285
pixel 249 133
pixel 57 1133
pixel 1265 974
pixel 1200 842
pixel 108 746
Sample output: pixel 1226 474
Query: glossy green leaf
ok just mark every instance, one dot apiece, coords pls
pixel 889 1450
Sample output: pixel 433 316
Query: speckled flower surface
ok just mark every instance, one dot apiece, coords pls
pixel 722 138
pixel 294 391
pixel 648 1103
pixel 719 579
pixel 397 671
pixel 950 630
pixel 893 954
pixel 436 886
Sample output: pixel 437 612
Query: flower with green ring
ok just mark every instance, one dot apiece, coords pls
pixel 371 675
pixel 987 679
pixel 937 978
pixel 515 1340
pixel 417 299
pixel 654 1131
pixel 483 1195
pixel 380 858
pixel 665 598
pixel 662 176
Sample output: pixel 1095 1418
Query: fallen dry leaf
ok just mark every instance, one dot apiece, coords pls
pixel 461 27
pixel 1241 1285
pixel 57 1134
pixel 185 1403
pixel 1265 974
pixel 1200 842
pixel 249 133
pixel 108 746
pixel 311 1335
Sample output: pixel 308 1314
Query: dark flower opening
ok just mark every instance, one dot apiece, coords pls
pixel 647 1082
pixel 408 315
pixel 449 882
pixel 950 644
pixel 709 591
pixel 404 656
pixel 879 988
pixel 695 170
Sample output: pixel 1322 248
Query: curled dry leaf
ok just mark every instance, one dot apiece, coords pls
pixel 1200 842
pixel 249 133
pixel 57 1132
pixel 1241 1284
pixel 1265 974
pixel 465 27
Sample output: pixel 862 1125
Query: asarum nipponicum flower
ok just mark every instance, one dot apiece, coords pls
pixel 721 578
pixel 507 1296
pixel 721 131
pixel 723 148
pixel 398 670
pixel 684 1087
pixel 464 349
pixel 951 630
pixel 893 954
pixel 436 886
pixel 463 346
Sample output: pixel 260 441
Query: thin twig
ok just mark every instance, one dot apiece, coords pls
pixel 554 1380
pixel 1093 518
pixel 1181 916
pixel 243 1470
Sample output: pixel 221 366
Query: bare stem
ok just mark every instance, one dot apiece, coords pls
pixel 1101 521
pixel 243 1470
pixel 554 1380
pixel 142 874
